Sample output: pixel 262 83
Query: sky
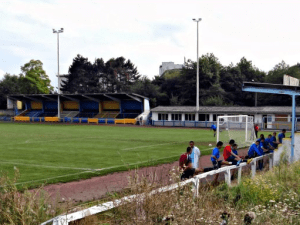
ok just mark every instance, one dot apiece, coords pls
pixel 148 32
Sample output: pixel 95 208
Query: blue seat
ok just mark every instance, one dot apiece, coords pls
pixel 84 120
pixel 110 121
pixel 75 120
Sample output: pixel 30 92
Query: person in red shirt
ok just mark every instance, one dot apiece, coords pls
pixel 186 166
pixel 228 154
pixel 256 129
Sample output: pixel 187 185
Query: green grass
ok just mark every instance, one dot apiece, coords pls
pixel 47 153
pixel 43 151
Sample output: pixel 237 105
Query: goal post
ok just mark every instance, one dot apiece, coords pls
pixel 239 128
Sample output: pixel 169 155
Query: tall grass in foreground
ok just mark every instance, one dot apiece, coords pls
pixel 270 198
pixel 27 207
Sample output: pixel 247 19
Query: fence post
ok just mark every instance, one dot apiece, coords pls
pixel 253 168
pixel 239 174
pixel 228 177
pixel 270 162
pixel 196 187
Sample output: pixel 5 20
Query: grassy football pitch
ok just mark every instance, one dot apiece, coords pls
pixel 46 153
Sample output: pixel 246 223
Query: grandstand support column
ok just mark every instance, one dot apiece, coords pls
pixel 293 127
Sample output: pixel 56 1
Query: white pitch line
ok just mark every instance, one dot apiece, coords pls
pixel 147 146
pixel 26 164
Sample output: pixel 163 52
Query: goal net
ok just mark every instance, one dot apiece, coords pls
pixel 239 128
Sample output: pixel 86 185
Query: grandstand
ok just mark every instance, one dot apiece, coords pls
pixel 84 108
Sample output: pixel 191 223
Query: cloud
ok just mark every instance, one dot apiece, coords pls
pixel 1 74
pixel 147 32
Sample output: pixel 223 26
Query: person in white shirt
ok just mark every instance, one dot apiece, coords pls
pixel 195 155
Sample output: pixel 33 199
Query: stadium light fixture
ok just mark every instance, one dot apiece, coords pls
pixel 58 96
pixel 197 80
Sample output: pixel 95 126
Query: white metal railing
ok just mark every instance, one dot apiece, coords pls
pixel 65 219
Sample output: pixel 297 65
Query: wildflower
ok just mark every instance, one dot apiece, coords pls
pixel 272 201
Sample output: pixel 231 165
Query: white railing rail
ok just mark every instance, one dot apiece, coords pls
pixel 65 219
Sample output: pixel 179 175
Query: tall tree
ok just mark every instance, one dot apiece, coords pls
pixel 120 74
pixel 116 75
pixel 34 78
pixel 209 81
pixel 10 84
pixel 79 77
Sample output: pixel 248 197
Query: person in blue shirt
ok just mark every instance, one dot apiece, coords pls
pixel 253 150
pixel 269 144
pixel 260 137
pixel 241 158
pixel 215 159
pixel 281 135
pixel 214 128
pixel 273 141
pixel 262 148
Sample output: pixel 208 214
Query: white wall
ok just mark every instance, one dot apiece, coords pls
pixel 146 105
pixel 258 118
pixel 155 116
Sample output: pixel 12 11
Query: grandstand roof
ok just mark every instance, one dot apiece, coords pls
pixel 226 109
pixel 90 96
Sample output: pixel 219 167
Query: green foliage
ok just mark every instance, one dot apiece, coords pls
pixel 34 79
pixel 145 87
pixel 27 207
pixel 10 84
pixel 169 74
pixel 116 75
pixel 267 189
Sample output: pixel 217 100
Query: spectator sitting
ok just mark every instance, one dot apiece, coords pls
pixel 254 151
pixel 234 150
pixel 274 143
pixel 260 137
pixel 281 136
pixel 185 165
pixel 214 159
pixel 269 144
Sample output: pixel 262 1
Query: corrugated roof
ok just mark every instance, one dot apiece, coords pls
pixel 227 109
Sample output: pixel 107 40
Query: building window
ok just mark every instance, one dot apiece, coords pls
pixel 162 116
pixel 176 117
pixel 190 117
pixel 203 117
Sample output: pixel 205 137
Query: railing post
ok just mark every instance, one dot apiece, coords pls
pixel 253 168
pixel 228 177
pixel 239 175
pixel 196 187
pixel 270 161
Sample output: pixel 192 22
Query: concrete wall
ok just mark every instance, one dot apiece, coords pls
pixel 284 150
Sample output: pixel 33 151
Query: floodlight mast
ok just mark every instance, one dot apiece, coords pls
pixel 197 80
pixel 58 96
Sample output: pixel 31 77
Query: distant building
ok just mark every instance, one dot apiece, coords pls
pixel 165 66
pixel 272 117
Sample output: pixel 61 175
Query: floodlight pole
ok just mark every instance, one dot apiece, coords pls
pixel 197 80
pixel 58 77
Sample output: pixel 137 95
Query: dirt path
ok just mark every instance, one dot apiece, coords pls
pixel 97 187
